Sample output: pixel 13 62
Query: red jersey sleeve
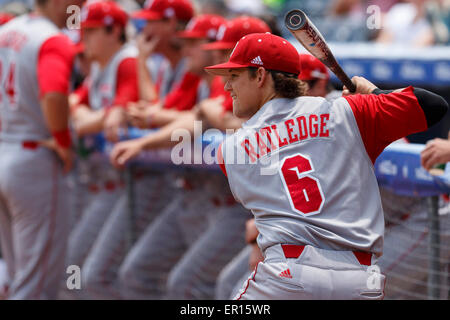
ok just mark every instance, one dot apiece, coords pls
pixel 184 96
pixel 385 118
pixel 82 93
pixel 54 65
pixel 127 84
pixel 220 160
pixel 217 90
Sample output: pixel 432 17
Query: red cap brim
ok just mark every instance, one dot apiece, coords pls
pixel 219 45
pixel 91 24
pixel 223 69
pixel 147 15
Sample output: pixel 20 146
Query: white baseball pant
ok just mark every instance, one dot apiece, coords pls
pixel 315 275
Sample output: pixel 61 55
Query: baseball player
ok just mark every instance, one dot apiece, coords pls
pixel 35 143
pixel 154 189
pixel 111 84
pixel 144 270
pixel 163 19
pixel 111 247
pixel 316 77
pixel 319 218
pixel 195 274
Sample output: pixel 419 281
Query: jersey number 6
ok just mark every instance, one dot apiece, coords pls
pixel 304 191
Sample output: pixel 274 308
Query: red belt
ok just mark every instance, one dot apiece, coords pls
pixel 294 251
pixel 30 145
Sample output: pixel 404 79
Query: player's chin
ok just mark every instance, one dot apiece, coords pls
pixel 237 110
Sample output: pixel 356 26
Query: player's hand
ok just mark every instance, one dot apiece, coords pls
pixel 139 114
pixel 363 86
pixel 146 46
pixel 211 107
pixel 255 257
pixel 251 233
pixel 436 151
pixel 65 154
pixel 115 120
pixel 125 151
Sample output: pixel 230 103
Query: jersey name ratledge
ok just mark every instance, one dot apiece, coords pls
pixel 265 140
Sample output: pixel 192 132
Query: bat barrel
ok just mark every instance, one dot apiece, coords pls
pixel 295 19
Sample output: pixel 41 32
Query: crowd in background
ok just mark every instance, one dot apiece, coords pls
pixel 427 21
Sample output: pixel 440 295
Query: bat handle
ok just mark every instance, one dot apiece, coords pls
pixel 344 78
pixel 349 84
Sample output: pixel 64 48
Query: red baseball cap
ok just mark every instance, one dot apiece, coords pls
pixel 202 27
pixel 160 9
pixel 312 68
pixel 102 13
pixel 5 17
pixel 260 50
pixel 230 32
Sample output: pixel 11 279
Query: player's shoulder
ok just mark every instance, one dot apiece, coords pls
pixel 307 104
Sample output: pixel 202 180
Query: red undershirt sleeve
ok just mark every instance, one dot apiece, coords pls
pixel 385 118
pixel 127 86
pixel 184 96
pixel 220 160
pixel 54 65
pixel 82 93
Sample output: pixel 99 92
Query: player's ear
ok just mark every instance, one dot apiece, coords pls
pixel 261 76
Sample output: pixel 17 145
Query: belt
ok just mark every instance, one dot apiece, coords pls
pixel 294 251
pixel 30 144
pixel 26 144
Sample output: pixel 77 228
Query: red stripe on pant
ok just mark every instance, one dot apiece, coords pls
pixel 248 281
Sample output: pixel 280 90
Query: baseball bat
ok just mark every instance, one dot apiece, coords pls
pixel 307 34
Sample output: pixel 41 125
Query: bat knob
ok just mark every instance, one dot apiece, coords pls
pixel 295 19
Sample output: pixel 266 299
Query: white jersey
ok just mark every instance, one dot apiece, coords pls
pixel 165 77
pixel 306 166
pixel 102 83
pixel 20 110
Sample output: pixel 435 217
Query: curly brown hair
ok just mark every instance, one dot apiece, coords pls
pixel 286 85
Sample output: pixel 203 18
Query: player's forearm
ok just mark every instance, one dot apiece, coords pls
pixel 165 116
pixel 92 125
pixel 163 137
pixel 55 107
pixel 147 88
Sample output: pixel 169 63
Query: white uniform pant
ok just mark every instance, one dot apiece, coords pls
pixel 315 275
pixel 34 216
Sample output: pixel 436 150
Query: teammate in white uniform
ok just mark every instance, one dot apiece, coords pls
pixel 154 189
pixel 144 271
pixel 111 84
pixel 36 61
pixel 308 172
pixel 163 19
